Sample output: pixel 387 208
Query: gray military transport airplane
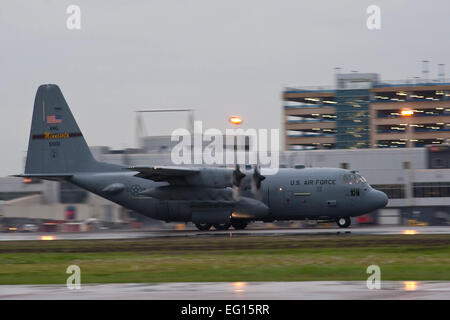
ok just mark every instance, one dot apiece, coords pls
pixel 207 196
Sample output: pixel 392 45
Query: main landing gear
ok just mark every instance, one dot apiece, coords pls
pixel 203 226
pixel 344 222
pixel 237 224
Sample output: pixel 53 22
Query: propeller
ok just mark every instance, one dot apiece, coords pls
pixel 236 179
pixel 257 178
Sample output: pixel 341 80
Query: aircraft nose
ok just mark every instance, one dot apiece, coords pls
pixel 380 199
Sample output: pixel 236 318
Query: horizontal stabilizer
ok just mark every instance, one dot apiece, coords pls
pixel 45 176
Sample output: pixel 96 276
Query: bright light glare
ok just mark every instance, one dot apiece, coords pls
pixel 410 232
pixel 239 286
pixel 410 285
pixel 407 112
pixel 236 120
pixel 47 238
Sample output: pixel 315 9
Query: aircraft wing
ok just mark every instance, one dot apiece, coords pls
pixel 163 173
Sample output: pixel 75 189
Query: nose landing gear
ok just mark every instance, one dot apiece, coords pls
pixel 344 222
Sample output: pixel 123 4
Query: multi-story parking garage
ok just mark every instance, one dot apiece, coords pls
pixel 363 112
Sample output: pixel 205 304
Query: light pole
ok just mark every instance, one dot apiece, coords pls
pixel 408 113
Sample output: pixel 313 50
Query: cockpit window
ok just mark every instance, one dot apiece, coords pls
pixel 353 178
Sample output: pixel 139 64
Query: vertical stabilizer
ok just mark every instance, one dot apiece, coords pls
pixel 56 144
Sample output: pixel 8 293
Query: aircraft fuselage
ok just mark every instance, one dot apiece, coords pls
pixel 291 194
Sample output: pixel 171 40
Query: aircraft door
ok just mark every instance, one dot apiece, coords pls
pixel 280 201
pixel 287 198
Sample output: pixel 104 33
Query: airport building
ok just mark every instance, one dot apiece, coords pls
pixel 361 111
pixel 38 201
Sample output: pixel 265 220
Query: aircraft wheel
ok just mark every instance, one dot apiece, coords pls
pixel 239 225
pixel 222 226
pixel 343 222
pixel 203 226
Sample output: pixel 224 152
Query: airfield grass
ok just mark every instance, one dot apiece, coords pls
pixel 243 258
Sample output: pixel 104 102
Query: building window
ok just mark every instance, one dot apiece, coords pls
pixel 431 189
pixel 5 196
pixel 393 191
pixel 406 165
pixel 438 163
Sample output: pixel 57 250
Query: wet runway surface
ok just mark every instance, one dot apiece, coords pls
pixel 323 290
pixel 213 233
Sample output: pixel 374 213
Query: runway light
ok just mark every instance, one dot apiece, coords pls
pixel 407 112
pixel 235 120
pixel 410 232
pixel 239 286
pixel 410 285
pixel 47 238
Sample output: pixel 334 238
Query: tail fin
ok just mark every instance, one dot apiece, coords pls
pixel 56 144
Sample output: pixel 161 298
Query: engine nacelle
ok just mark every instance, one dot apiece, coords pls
pixel 210 178
pixel 249 208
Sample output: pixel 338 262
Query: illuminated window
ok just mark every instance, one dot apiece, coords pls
pixel 393 191
pixel 431 189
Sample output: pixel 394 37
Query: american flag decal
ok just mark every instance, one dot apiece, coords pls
pixel 54 119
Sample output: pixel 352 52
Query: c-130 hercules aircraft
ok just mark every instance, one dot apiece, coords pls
pixel 207 196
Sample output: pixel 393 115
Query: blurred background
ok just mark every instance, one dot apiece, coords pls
pixel 313 70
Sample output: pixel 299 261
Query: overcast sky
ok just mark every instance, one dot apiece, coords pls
pixel 219 57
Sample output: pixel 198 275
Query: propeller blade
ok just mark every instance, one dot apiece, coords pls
pixel 257 178
pixel 237 176
pixel 236 180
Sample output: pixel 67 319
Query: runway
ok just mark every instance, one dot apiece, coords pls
pixel 138 234
pixel 310 290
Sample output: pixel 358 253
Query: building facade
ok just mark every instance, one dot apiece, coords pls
pixel 363 112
